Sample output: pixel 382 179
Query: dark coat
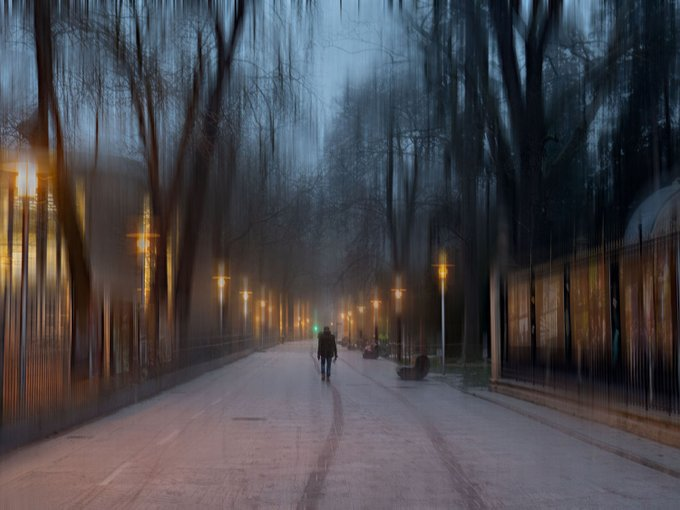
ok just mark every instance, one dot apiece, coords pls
pixel 327 347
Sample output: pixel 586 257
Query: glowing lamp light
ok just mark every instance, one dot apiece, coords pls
pixel 442 271
pixel 442 267
pixel 27 181
pixel 143 241
pixel 142 244
pixel 398 293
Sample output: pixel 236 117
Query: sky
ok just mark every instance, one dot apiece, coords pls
pixel 351 43
pixel 337 44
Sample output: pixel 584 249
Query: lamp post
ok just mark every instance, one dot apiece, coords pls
pixel 244 295
pixel 270 309
pixel 349 327
pixel 442 271
pixel 398 294
pixel 221 284
pixel 263 304
pixel 143 249
pixel 376 306
pixel 361 309
pixel 27 187
pixel 342 321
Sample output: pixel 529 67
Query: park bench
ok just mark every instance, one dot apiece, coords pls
pixel 415 373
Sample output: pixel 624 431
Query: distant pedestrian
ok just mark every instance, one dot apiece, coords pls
pixel 326 352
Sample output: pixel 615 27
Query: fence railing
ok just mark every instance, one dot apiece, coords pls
pixel 50 392
pixel 604 323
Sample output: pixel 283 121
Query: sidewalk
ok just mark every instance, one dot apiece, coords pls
pixel 473 380
pixel 267 432
pixel 652 454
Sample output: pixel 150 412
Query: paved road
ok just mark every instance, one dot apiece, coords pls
pixel 266 432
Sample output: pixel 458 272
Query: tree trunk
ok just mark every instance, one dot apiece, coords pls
pixel 64 200
pixel 189 236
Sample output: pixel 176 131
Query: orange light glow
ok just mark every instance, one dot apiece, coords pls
pixel 27 180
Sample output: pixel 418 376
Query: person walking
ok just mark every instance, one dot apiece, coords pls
pixel 326 351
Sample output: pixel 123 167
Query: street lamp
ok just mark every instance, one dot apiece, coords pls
pixel 442 272
pixel 398 294
pixel 27 187
pixel 376 306
pixel 342 321
pixel 221 284
pixel 361 309
pixel 244 295
pixel 143 249
pixel 270 309
pixel 263 304
pixel 349 327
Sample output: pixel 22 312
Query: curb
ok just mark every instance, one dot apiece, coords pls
pixel 650 425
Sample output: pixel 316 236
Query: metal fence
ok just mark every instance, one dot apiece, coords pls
pixel 51 377
pixel 603 323
pixel 38 384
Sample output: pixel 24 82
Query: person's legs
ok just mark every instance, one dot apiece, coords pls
pixel 329 360
pixel 323 370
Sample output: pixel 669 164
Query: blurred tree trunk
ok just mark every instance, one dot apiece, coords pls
pixel 201 162
pixel 165 204
pixel 525 99
pixel 64 199
pixel 471 165
pixel 644 137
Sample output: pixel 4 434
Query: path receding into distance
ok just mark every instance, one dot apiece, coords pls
pixel 266 432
